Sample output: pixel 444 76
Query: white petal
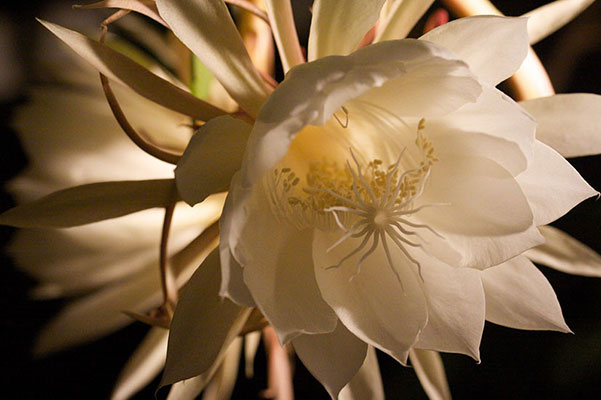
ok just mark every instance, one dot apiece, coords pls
pixel 545 20
pixel 566 254
pixel 222 384
pixel 494 47
pixel 569 123
pixel 374 305
pixel 91 203
pixel 430 371
pixel 251 345
pixel 123 70
pixel 312 92
pixel 195 23
pixel 284 32
pixel 337 26
pixel 367 383
pixel 333 358
pixel 401 18
pixel 553 187
pixel 212 157
pixel 203 326
pixel 519 296
pixel 278 270
pixel 143 365
pixel 455 308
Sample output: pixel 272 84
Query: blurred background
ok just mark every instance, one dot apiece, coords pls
pixel 515 364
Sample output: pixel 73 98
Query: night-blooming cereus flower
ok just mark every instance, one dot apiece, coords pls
pixel 385 199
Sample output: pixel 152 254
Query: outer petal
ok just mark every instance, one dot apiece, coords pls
pixel 472 39
pixel 312 92
pixel 212 157
pixel 206 28
pixel 455 308
pixel 430 371
pixel 553 187
pixel 519 296
pixel 367 383
pixel 147 8
pixel 371 303
pixel 278 270
pixel 337 26
pixel 569 123
pixel 333 358
pixel 566 254
pixel 284 32
pixel 401 18
pixel 545 20
pixel 122 69
pixel 203 325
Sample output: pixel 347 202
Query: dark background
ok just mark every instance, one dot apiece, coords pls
pixel 515 364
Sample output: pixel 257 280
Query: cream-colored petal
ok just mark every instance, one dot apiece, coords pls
pixel 222 384
pixel 125 71
pixel 312 92
pixel 203 326
pixel 333 358
pixel 251 345
pixel 519 296
pixel 278 270
pixel 337 26
pixel 90 203
pixel 367 383
pixel 429 369
pixel 143 365
pixel 545 20
pixel 371 302
pixel 212 157
pixel 284 32
pixel 566 254
pixel 401 17
pixel 494 47
pixel 456 308
pixel 147 8
pixel 206 28
pixel 553 187
pixel 570 123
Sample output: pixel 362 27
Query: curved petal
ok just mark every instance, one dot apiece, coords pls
pixel 545 20
pixel 565 254
pixel 553 187
pixel 284 32
pixel 312 92
pixel 337 26
pixel 519 296
pixel 222 384
pixel 278 270
pixel 196 23
pixel 430 371
pixel 212 157
pixel 367 383
pixel 569 123
pixel 385 312
pixel 203 326
pixel 333 358
pixel 456 308
pixel 401 18
pixel 147 8
pixel 472 38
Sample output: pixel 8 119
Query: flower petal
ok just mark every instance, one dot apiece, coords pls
pixel 373 304
pixel 147 8
pixel 125 71
pixel 519 296
pixel 566 254
pixel 312 92
pixel 196 23
pixel 455 308
pixel 284 32
pixel 569 123
pixel 337 26
pixel 430 371
pixel 278 270
pixel 546 19
pixel 333 358
pixel 203 326
pixel 90 203
pixel 401 18
pixel 143 365
pixel 222 384
pixel 367 383
pixel 212 157
pixel 553 187
pixel 469 38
